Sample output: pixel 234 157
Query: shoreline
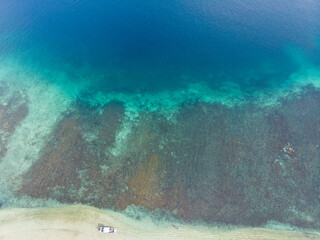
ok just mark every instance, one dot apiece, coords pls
pixel 80 222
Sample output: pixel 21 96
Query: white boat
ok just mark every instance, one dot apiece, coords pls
pixel 106 229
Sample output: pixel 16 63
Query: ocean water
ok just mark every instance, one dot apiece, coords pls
pixel 150 46
pixel 170 92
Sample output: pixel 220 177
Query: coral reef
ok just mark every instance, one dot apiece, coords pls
pixel 208 162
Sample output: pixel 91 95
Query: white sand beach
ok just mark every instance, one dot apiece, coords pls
pixel 80 222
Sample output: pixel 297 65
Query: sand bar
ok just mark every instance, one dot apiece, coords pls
pixel 79 222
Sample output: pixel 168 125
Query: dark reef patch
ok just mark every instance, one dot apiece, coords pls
pixel 241 165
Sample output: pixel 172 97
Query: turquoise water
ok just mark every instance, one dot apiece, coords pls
pixel 185 108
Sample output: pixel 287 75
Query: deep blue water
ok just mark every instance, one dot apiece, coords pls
pixel 132 45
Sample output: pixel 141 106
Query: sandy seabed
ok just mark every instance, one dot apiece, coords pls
pixel 80 222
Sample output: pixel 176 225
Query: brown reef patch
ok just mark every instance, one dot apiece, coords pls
pixel 59 164
pixel 144 186
pixel 72 169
